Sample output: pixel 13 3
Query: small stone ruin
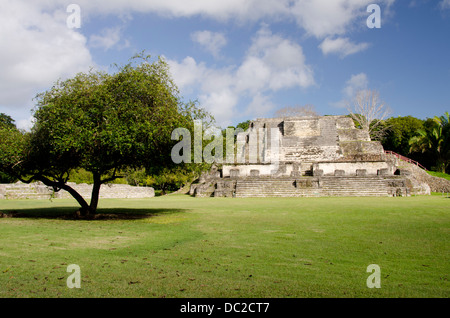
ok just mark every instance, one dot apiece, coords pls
pixel 38 190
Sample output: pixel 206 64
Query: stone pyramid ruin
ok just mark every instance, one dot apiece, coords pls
pixel 306 157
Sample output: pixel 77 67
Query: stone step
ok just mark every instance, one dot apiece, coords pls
pixel 28 196
pixel 329 186
pixel 319 194
pixel 322 185
pixel 256 190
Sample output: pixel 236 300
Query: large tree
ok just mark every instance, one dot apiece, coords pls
pixel 11 140
pixel 401 130
pixel 369 112
pixel 435 139
pixel 103 123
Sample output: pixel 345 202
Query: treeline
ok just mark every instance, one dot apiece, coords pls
pixel 163 179
pixel 425 141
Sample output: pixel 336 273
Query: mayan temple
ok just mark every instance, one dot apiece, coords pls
pixel 305 157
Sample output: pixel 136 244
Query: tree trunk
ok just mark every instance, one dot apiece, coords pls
pixel 95 194
pixel 54 184
pixel 84 205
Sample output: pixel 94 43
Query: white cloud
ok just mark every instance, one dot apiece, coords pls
pixel 25 124
pixel 260 106
pixel 36 48
pixel 107 39
pixel 444 4
pixel 319 18
pixel 240 10
pixel 272 63
pixel 281 64
pixel 253 75
pixel 214 87
pixel 213 42
pixel 341 46
pixel 187 73
pixel 356 83
pixel 322 18
pixel 221 104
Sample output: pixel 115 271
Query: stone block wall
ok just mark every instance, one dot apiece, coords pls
pixel 355 168
pixel 308 139
pixel 38 190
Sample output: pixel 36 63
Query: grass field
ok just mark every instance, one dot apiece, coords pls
pixel 179 246
pixel 439 174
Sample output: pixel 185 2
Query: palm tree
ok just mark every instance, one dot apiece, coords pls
pixel 436 140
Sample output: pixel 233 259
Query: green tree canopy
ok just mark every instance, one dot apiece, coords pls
pixel 244 125
pixel 400 131
pixel 6 121
pixel 11 143
pixel 103 123
pixel 434 138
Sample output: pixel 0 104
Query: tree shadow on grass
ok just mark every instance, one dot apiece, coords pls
pixel 69 213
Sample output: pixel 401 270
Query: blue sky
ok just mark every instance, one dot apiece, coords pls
pixel 241 59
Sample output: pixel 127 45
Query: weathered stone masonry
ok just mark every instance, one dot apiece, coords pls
pixel 38 190
pixel 314 156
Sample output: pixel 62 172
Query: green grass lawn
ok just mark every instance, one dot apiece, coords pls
pixel 179 246
pixel 439 174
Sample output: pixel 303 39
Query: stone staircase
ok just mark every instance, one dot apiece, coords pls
pixel 270 187
pixel 321 186
pixel 363 186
